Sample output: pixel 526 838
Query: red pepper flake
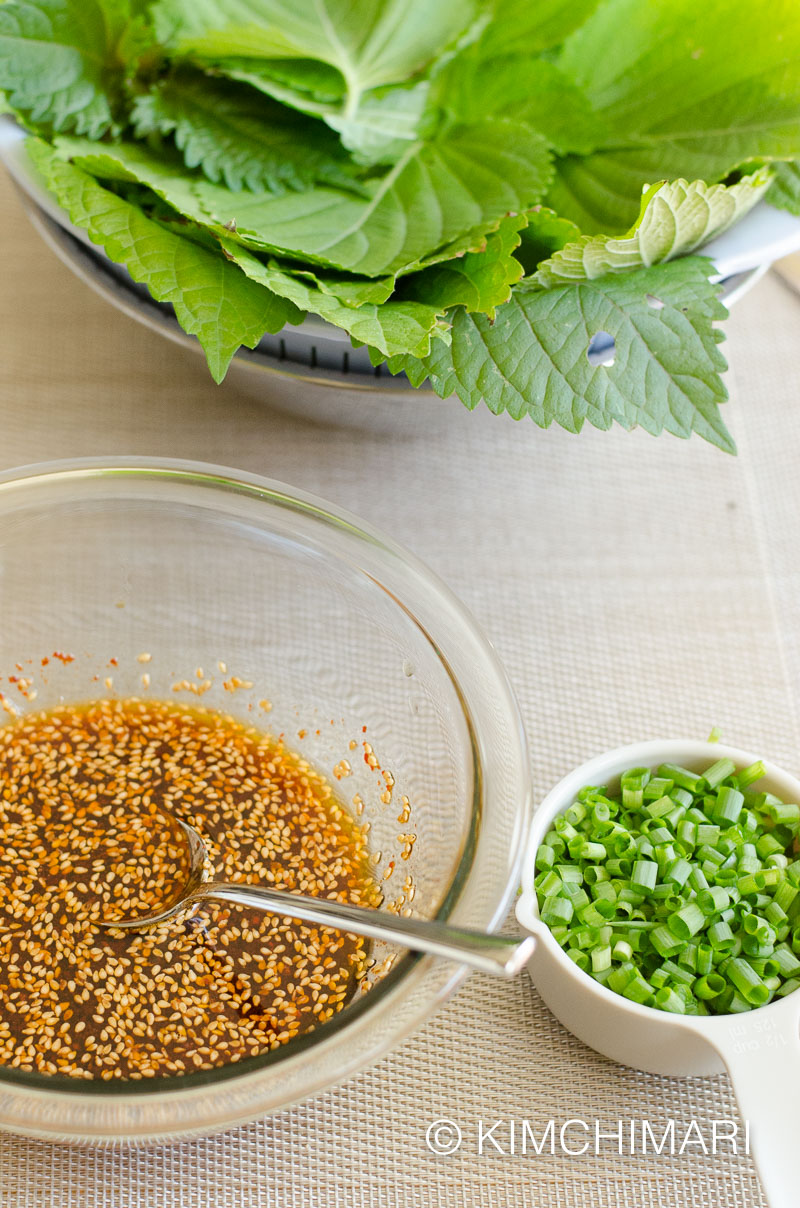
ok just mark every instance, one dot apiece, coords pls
pixel 113 662
pixel 62 658
pixel 45 662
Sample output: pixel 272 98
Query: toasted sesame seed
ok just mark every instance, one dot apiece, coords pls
pixel 85 832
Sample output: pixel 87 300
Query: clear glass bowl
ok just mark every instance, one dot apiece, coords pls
pixel 210 587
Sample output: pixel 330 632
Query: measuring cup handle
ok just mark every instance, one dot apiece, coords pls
pixel 763 1060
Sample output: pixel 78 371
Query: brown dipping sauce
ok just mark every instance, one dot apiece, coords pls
pixel 84 791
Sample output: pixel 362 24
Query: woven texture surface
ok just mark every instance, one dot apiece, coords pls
pixel 635 588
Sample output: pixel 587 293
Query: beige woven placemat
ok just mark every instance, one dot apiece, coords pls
pixel 633 587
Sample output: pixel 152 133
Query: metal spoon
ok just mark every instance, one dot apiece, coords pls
pixel 505 955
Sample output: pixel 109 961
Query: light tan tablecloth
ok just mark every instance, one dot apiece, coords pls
pixel 634 587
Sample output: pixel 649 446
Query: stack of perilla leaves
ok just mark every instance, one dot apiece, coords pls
pixel 472 189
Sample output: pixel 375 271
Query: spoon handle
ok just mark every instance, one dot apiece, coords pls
pixel 505 955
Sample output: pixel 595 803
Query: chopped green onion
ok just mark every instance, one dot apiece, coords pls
pixel 785 961
pixel 659 808
pixel 687 833
pixel 768 844
pixel 619 977
pixel 718 772
pixel 545 857
pixel 643 877
pixel 687 921
pixel 567 873
pixel 678 872
pixel 698 880
pixel 746 981
pixel 775 914
pixel 576 894
pixel 729 804
pixel 557 910
pixel 757 882
pixel 750 775
pixel 657 787
pixel 713 900
pixel 678 891
pixel 759 928
pixel 576 813
pixel 710 985
pixel 632 784
pixel 549 883
pixel 681 777
pixel 785 895
pixel 593 851
pixel 565 829
pixel 601 818
pixel 705 959
pixel 639 990
pixel 665 941
pixel 601 959
pixel 782 812
pixel 596 874
pixel 668 1000
pixel 590 915
pixel 676 972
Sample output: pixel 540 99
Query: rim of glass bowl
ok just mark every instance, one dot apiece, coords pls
pixel 411 969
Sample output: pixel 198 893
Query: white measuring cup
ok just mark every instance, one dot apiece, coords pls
pixel 760 1049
